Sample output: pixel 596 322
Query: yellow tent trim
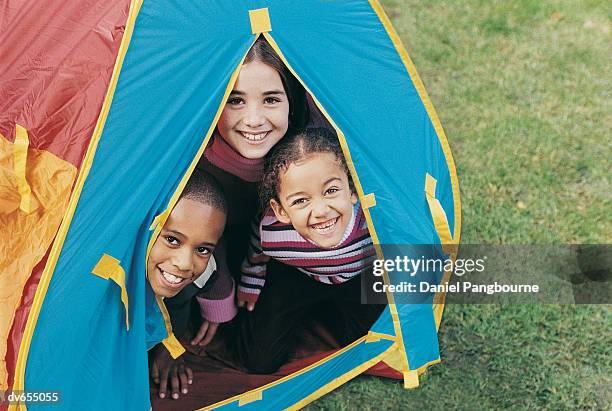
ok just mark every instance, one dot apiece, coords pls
pixel 424 367
pixel 448 244
pixel 341 380
pixel 420 88
pixel 438 302
pixel 20 154
pixel 74 198
pixel 160 220
pixel 110 268
pixel 358 187
pixel 172 344
pixel 393 360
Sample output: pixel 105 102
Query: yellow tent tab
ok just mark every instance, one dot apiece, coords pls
pixel 250 397
pixel 173 346
pixel 109 268
pixel 411 379
pixel 20 154
pixel 430 186
pixel 368 201
pixel 260 21
pixel 438 215
pixel 372 336
pixel 161 218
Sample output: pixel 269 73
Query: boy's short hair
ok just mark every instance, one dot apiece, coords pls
pixel 205 189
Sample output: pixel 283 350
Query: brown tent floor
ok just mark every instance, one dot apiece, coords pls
pixel 216 378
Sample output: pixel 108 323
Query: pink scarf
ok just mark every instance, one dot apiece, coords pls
pixel 227 159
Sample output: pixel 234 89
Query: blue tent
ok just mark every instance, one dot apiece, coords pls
pixel 94 316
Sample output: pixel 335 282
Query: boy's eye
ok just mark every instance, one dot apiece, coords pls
pixel 332 190
pixel 171 240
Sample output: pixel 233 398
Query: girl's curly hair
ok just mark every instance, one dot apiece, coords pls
pixel 292 148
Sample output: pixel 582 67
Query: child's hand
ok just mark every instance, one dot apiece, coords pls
pixel 250 306
pixel 205 334
pixel 162 366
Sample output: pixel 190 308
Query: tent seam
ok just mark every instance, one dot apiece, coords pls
pixel 420 88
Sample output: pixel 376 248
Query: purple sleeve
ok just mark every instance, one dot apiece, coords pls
pixel 218 310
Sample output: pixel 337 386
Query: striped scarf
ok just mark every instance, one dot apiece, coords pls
pixel 273 239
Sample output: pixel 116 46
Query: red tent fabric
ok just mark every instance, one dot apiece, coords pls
pixel 57 61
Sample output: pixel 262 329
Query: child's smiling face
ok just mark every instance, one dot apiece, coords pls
pixel 256 115
pixel 182 250
pixel 315 197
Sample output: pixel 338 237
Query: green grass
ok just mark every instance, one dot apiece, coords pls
pixel 522 89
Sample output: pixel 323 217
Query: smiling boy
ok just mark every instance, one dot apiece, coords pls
pixel 185 245
pixel 181 266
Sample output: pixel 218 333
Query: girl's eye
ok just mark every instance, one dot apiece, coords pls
pixel 171 240
pixel 271 100
pixel 203 250
pixel 234 101
pixel 298 201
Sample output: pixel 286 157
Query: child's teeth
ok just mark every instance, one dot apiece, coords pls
pixel 254 137
pixel 171 278
pixel 326 225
